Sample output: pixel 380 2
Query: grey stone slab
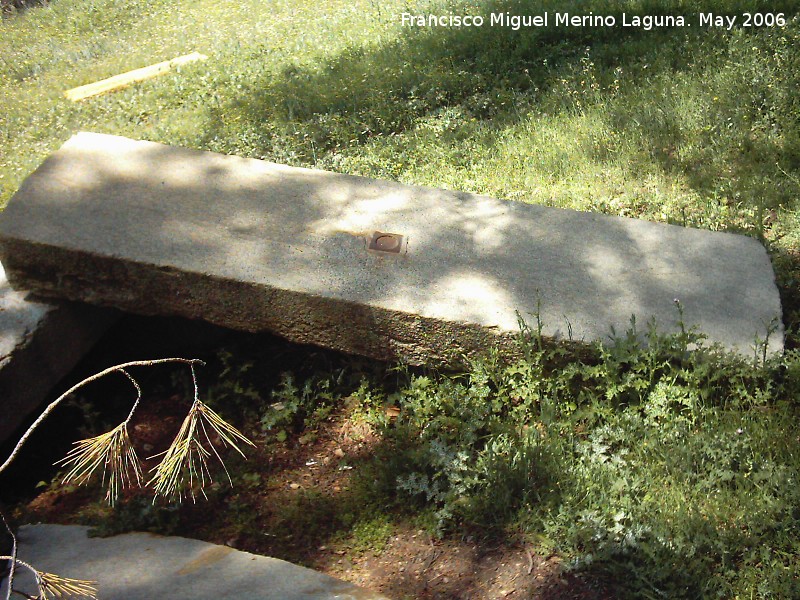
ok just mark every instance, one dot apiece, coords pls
pixel 254 245
pixel 40 342
pixel 143 566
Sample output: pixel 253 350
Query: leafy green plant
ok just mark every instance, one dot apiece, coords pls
pixel 655 461
pixel 233 391
pixel 301 408
pixel 139 513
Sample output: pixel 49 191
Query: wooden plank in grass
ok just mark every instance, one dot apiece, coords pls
pixel 119 81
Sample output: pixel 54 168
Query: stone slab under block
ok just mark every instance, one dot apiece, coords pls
pixel 40 342
pixel 253 245
pixel 143 566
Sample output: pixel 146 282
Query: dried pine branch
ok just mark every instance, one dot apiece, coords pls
pixel 113 451
pixel 138 363
pixel 55 586
pixel 186 458
pixel 185 462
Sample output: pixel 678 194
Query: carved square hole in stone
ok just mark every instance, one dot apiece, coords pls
pixel 386 242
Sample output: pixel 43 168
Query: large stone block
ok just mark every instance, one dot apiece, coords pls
pixel 253 245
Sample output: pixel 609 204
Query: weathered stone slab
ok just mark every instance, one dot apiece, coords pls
pixel 142 566
pixel 253 245
pixel 39 344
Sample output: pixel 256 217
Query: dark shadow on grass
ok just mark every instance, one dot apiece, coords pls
pixel 369 91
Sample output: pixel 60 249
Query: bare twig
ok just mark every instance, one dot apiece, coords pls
pixel 530 561
pixel 138 395
pixel 13 558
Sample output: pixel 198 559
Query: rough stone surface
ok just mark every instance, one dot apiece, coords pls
pixel 143 566
pixel 253 245
pixel 40 342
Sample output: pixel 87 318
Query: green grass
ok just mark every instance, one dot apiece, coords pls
pixel 47 50
pixel 686 126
